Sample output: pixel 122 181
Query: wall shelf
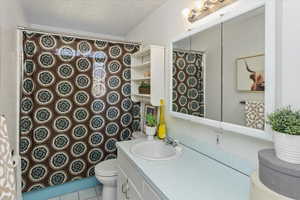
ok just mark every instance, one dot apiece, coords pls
pixel 142 52
pixel 148 61
pixel 142 95
pixel 141 66
pixel 141 79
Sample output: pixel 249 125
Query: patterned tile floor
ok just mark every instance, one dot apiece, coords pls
pixel 94 193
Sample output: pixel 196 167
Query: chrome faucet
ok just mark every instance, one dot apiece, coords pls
pixel 170 141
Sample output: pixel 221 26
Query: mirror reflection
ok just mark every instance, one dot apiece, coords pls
pixel 243 70
pixel 218 73
pixel 197 74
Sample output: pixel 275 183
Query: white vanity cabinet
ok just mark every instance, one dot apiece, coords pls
pixel 131 184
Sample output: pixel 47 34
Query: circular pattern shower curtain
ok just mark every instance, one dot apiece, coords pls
pixel 75 106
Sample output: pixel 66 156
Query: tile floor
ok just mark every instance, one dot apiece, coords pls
pixel 93 193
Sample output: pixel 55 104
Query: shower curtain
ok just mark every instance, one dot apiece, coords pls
pixel 75 105
pixel 188 83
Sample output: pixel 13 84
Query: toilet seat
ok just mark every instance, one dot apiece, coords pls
pixel 107 168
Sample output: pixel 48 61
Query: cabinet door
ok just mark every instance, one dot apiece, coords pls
pixel 149 193
pixel 122 185
pixel 132 193
pixel 126 189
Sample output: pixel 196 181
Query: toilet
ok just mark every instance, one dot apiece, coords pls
pixel 106 172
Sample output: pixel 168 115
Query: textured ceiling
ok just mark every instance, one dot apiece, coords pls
pixel 115 17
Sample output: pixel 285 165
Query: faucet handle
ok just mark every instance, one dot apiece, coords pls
pixel 168 139
pixel 171 141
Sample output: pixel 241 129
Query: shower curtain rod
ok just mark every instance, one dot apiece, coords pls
pixel 77 36
pixel 189 51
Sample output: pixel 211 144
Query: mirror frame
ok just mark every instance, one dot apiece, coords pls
pixel 234 10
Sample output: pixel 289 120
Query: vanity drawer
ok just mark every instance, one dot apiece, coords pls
pixel 130 170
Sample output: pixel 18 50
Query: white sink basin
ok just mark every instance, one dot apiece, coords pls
pixel 155 150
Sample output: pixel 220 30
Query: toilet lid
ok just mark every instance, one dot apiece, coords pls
pixel 107 168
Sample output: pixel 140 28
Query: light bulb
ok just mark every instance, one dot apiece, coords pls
pixel 185 12
pixel 199 4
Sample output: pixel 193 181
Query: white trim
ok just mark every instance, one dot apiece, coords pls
pixel 270 60
pixel 170 100
pixel 200 120
pixel 236 9
pixel 20 67
pixel 251 132
pixel 204 82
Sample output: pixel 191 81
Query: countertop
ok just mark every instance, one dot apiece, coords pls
pixel 191 176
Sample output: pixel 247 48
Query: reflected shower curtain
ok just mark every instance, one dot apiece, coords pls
pixel 75 106
pixel 188 83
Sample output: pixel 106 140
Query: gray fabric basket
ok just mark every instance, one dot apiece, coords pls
pixel 278 175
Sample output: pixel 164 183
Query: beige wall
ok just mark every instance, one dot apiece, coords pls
pixel 290 62
pixel 11 17
pixel 161 27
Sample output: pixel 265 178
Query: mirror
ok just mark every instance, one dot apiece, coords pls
pixel 219 73
pixel 197 74
pixel 243 70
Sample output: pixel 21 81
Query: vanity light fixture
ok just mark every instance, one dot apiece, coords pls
pixel 186 12
pixel 203 8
